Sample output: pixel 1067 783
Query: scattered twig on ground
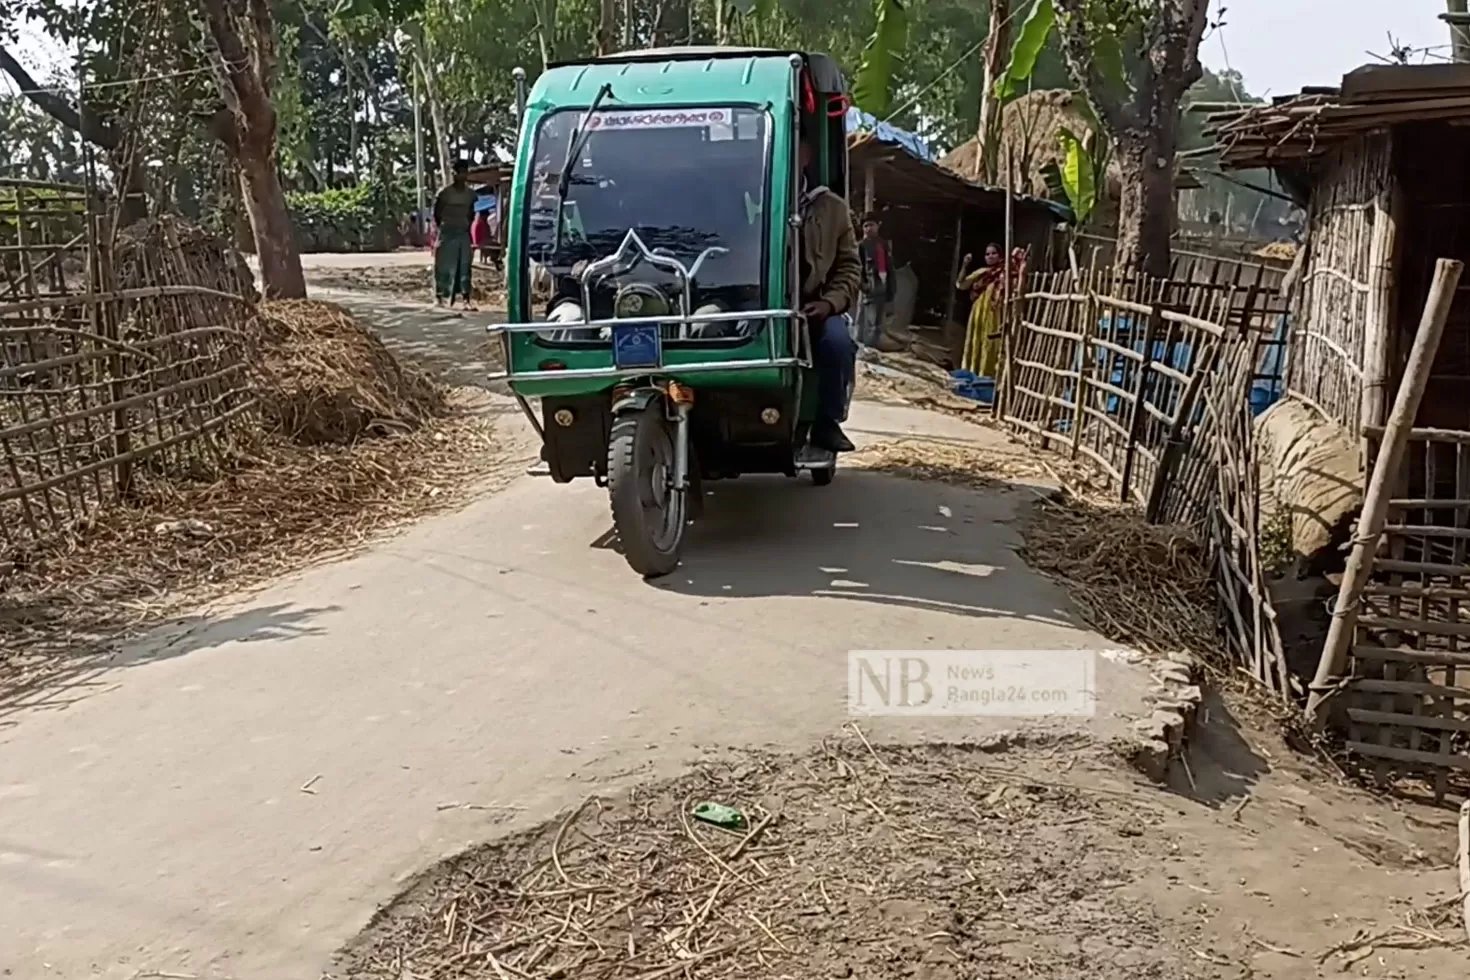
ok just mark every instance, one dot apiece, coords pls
pixel 1136 583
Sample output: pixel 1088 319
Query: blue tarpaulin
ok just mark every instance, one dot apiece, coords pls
pixel 860 122
pixel 485 203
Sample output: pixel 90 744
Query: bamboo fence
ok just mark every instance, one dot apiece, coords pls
pixel 1409 687
pixel 1148 384
pixel 104 383
pixel 1110 369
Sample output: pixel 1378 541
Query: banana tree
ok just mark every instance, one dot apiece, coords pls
pixel 872 88
pixel 1001 87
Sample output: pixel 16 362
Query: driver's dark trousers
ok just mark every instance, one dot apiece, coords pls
pixel 834 355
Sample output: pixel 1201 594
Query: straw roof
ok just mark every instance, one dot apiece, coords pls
pixel 1290 131
pixel 1030 127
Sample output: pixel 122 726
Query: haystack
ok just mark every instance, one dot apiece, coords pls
pixel 325 378
pixel 1030 130
pixel 167 250
pixel 1030 127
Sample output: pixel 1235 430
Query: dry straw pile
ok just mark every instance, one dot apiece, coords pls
pixel 1137 583
pixel 351 443
pixel 327 379
pixel 859 862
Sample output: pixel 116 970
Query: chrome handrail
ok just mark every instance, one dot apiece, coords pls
pixel 697 367
pixel 798 357
pixel 670 319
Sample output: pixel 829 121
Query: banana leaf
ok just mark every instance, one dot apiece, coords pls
pixel 1026 49
pixel 872 88
pixel 1079 175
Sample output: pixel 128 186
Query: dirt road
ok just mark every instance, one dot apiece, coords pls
pixel 236 796
pixel 239 793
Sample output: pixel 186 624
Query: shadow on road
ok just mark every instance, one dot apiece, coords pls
pixel 1222 765
pixel 865 538
pixel 64 682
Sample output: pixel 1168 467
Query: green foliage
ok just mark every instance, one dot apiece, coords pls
pixel 1079 176
pixel 1030 41
pixel 872 89
pixel 344 219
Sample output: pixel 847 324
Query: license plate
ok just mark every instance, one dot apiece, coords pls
pixel 637 346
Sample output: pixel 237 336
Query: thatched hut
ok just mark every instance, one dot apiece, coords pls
pixel 1379 163
pixel 934 216
pixel 1030 137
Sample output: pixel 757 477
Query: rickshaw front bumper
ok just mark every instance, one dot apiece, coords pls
pixel 656 365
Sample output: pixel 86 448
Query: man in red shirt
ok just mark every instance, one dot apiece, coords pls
pixel 878 281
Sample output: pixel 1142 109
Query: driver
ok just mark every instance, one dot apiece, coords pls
pixel 831 283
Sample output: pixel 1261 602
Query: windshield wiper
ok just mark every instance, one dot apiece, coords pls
pixel 575 145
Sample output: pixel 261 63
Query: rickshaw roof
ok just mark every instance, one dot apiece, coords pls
pixel 710 73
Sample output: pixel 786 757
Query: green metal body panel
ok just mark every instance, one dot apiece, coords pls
pixel 764 81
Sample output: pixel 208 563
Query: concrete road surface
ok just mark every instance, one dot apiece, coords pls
pixel 237 795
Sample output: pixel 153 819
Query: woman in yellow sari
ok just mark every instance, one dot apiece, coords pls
pixel 982 337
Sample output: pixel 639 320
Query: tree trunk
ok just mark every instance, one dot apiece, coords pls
pixel 671 19
pixel 546 30
pixel 270 226
pixel 607 28
pixel 354 136
pixel 987 134
pixel 436 114
pixel 1144 129
pixel 1146 203
pixel 240 43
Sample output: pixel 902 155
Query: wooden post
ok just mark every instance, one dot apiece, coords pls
pixel 1138 413
pixel 954 266
pixel 1174 445
pixel 870 189
pixel 1380 488
pixel 1455 16
pixel 1378 325
pixel 998 400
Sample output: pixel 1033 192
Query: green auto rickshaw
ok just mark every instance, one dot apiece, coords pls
pixel 653 268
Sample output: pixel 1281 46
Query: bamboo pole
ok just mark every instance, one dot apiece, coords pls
pixel 954 266
pixel 1377 329
pixel 1140 399
pixel 1000 396
pixel 1465 864
pixel 1380 487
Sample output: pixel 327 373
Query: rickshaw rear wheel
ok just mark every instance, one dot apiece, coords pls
pixel 822 477
pixel 648 514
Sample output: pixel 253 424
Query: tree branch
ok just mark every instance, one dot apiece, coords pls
pixel 244 92
pixel 93 130
pixel 1076 40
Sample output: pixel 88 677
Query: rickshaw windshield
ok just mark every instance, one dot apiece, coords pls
pixel 684 179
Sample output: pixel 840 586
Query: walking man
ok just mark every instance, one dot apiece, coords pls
pixel 878 281
pixel 454 212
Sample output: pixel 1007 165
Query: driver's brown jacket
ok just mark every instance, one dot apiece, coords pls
pixel 834 270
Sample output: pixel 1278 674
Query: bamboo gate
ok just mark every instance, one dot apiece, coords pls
pixel 124 359
pixel 1149 383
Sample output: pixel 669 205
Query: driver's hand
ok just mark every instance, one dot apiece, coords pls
pixel 818 309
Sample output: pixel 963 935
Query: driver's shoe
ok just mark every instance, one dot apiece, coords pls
pixel 828 435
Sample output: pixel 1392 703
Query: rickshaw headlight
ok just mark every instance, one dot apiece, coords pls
pixel 770 416
pixel 564 417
